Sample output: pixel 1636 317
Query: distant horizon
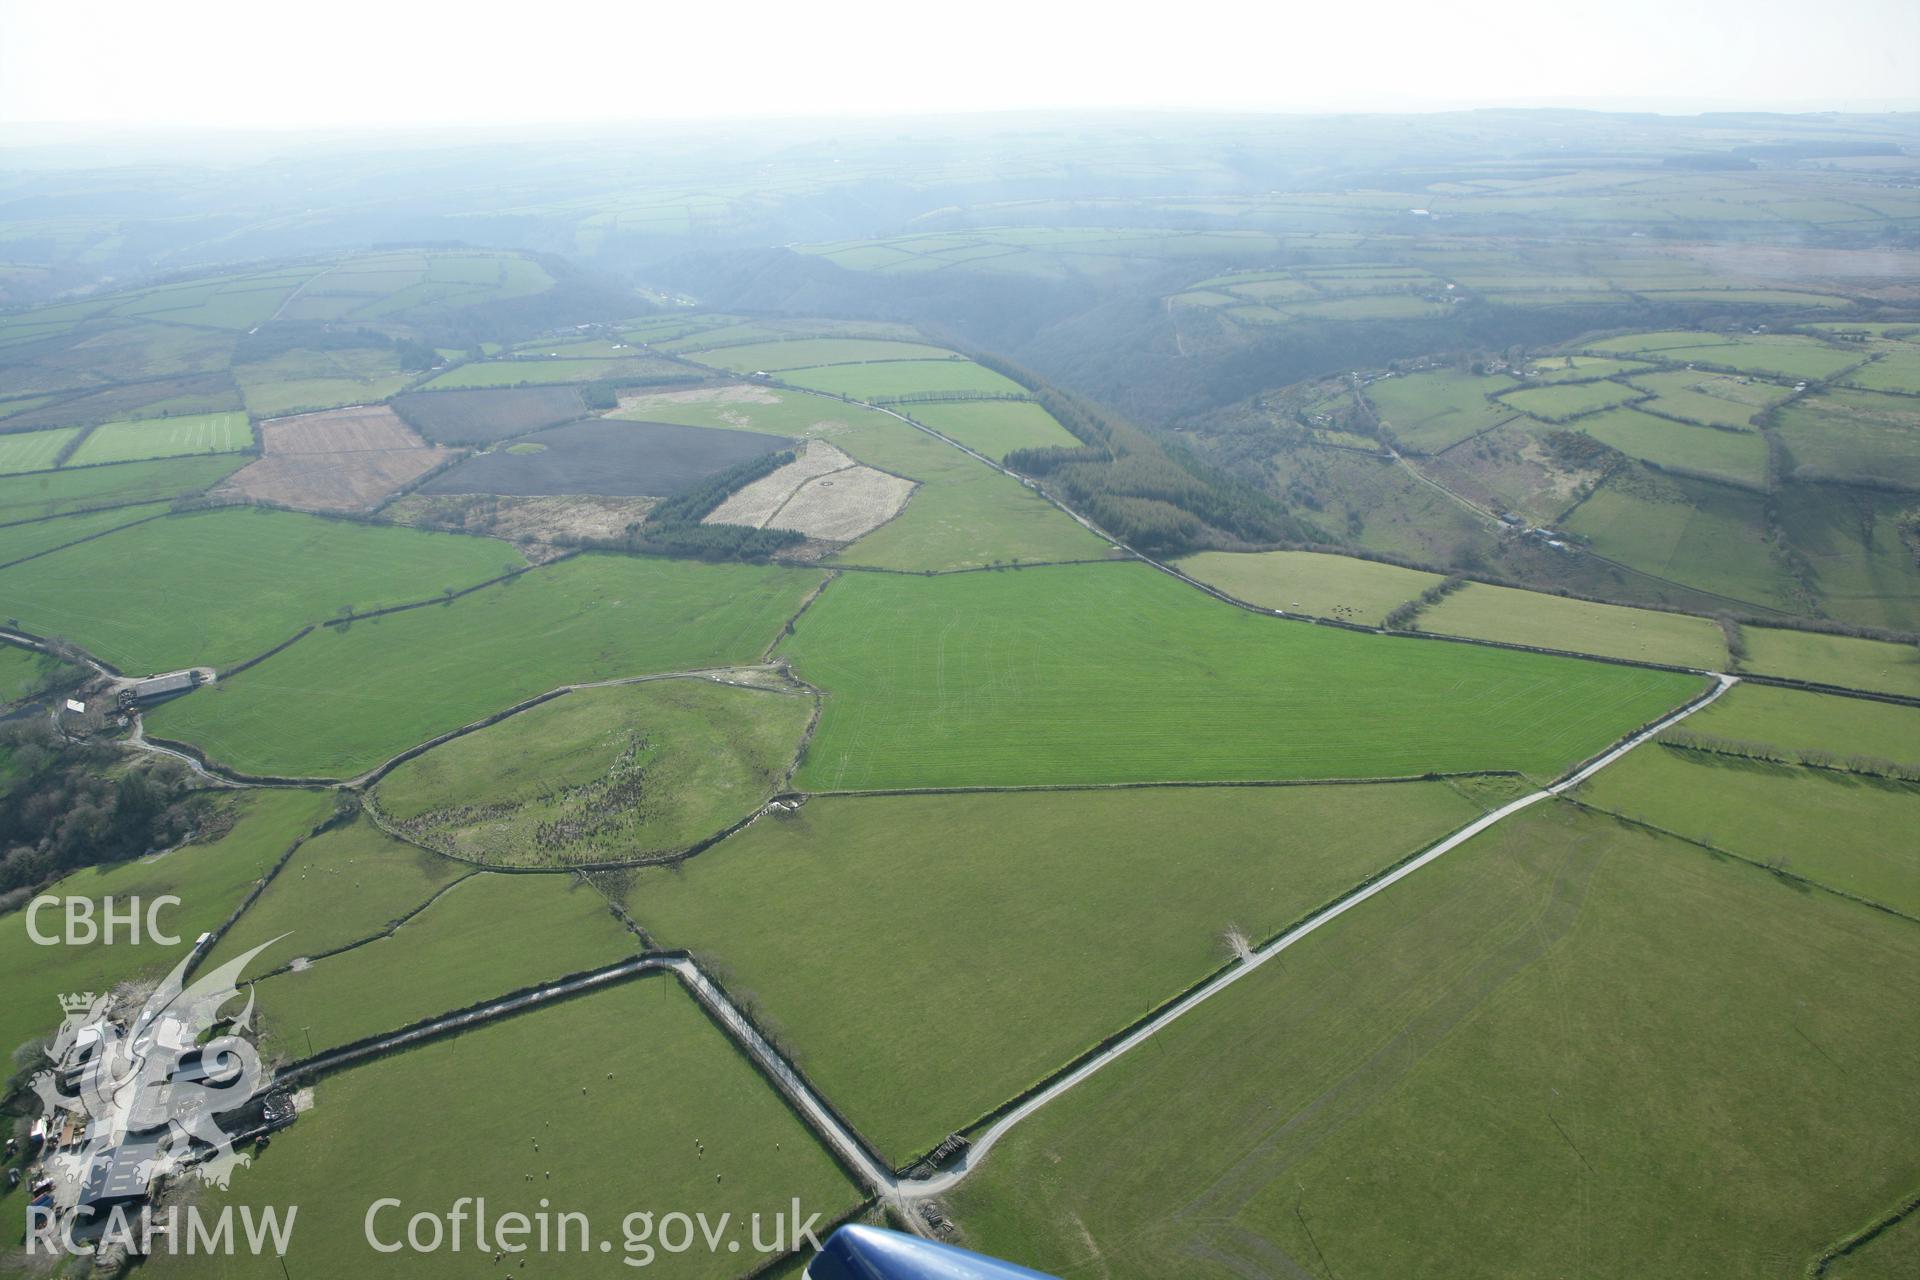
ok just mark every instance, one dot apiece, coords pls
pixel 233 66
pixel 21 134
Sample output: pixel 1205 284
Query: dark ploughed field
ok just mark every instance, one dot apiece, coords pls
pixel 481 417
pixel 615 459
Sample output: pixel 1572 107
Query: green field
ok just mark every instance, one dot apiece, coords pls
pixel 210 880
pixel 1069 914
pixel 365 692
pixel 894 379
pixel 1795 720
pixel 50 494
pixel 1324 586
pixel 1557 622
pixel 33 450
pixel 1782 357
pixel 1738 456
pixel 638 1104
pixel 164 438
pixel 1559 402
pixel 1653 1062
pixel 803 353
pixel 1109 673
pixel 214 587
pixel 1854 435
pixel 601 774
pixel 1863 568
pixel 1710 399
pixel 486 936
pixel 27 671
pixel 995 427
pixel 1428 412
pixel 1843 660
pixel 1706 536
pixel 343 886
pixel 1893 369
pixel 519 371
pixel 963 515
pixel 1830 827
pixel 304 381
pixel 20 540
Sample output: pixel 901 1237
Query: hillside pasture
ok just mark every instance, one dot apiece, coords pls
pixel 213 588
pixel 1566 401
pixel 1116 673
pixel 1853 435
pixel 603 774
pixel 302 381
pixel 1519 1024
pixel 1308 582
pixel 897 379
pixel 1736 456
pixel 1847 661
pixel 807 353
pixel 995 428
pixel 1709 537
pixel 1428 412
pixel 364 692
pixel 1488 612
pixel 1779 357
pixel 804 910
pixel 1709 399
pixel 520 371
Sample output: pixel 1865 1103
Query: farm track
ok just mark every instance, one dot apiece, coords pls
pixel 837 1134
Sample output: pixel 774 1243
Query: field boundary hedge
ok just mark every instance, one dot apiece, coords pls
pixel 88 538
pixel 204 948
pixel 1715 850
pixel 445 597
pixel 393 927
pixel 257 658
pixel 477 1014
pixel 1015 788
pixel 1864 1236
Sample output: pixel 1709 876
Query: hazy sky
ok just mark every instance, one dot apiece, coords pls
pixel 259 64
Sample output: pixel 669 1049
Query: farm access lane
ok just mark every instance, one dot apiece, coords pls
pixel 975 1154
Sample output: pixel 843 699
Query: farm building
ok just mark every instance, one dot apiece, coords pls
pixel 156 688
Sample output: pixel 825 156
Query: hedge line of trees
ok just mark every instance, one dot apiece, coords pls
pixel 674 528
pixel 1811 757
pixel 1401 619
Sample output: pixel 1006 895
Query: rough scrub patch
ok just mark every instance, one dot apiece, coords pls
pixel 822 493
pixel 340 460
